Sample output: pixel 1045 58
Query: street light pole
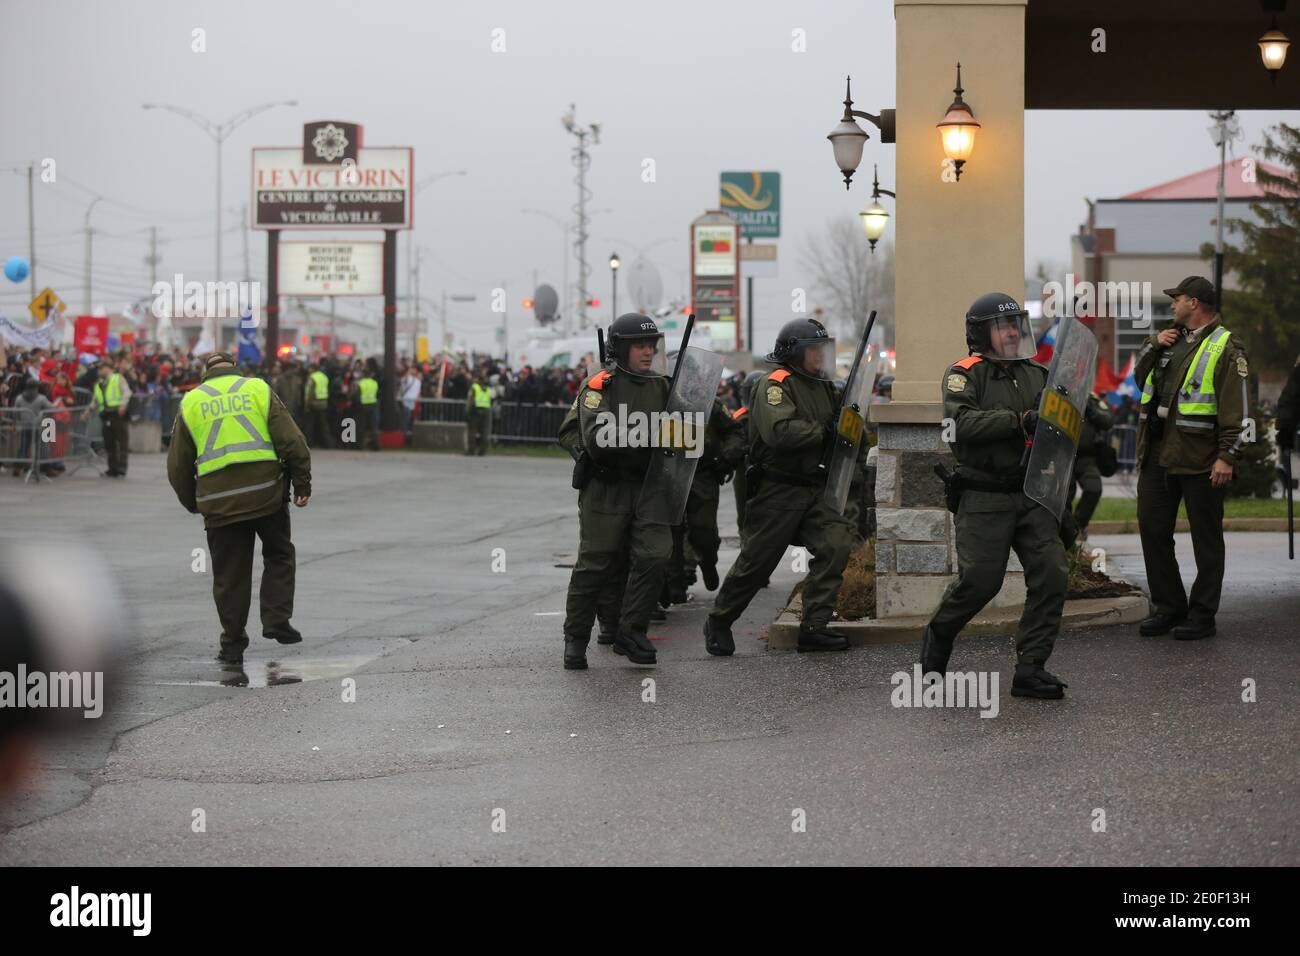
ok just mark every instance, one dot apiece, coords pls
pixel 218 132
pixel 1221 132
pixel 89 253
pixel 613 269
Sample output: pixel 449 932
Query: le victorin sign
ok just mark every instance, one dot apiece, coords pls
pixel 333 182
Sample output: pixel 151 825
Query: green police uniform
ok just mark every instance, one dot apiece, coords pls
pixel 738 484
pixel 227 461
pixel 724 450
pixel 478 418
pixel 621 557
pixel 366 401
pixel 1097 419
pixel 110 401
pixel 791 419
pixel 986 400
pixel 316 394
pixel 1196 393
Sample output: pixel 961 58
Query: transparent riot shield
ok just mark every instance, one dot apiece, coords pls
pixel 848 430
pixel 679 437
pixel 1060 416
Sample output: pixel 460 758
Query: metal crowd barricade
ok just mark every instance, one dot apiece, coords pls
pixel 513 423
pixel 34 442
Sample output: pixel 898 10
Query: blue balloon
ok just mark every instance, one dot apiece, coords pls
pixel 16 268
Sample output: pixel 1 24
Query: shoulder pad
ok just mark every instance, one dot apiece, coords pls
pixel 968 362
pixel 740 413
pixel 780 375
pixel 1038 365
pixel 600 379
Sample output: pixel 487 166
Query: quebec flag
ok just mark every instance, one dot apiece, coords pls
pixel 249 353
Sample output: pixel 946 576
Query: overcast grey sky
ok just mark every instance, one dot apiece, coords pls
pixel 698 87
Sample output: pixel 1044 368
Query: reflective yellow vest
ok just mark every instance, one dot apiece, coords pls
pixel 482 395
pixel 1198 405
pixel 369 390
pixel 227 418
pixel 322 383
pixel 110 397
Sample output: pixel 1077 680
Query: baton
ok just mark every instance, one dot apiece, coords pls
pixel 681 352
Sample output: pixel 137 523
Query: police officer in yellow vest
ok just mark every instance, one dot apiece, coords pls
pixel 478 416
pixel 231 447
pixel 1191 431
pixel 316 392
pixel 365 401
pixel 112 396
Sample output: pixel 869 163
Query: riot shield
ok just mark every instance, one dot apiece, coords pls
pixel 849 428
pixel 679 437
pixel 1060 416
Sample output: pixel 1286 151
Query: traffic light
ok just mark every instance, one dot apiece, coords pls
pixel 528 303
pixel 593 303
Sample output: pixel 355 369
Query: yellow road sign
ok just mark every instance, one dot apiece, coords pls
pixel 46 305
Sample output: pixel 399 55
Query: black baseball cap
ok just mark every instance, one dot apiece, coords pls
pixel 1196 287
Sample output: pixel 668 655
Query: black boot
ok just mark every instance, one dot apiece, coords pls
pixel 658 614
pixel 1032 681
pixel 575 655
pixel 935 652
pixel 607 634
pixel 709 572
pixel 232 652
pixel 635 646
pixel 821 638
pixel 717 638
pixel 285 634
pixel 1158 624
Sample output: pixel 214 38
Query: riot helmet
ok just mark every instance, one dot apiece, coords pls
pixel 803 346
pixel 998 328
pixel 636 345
pixel 748 386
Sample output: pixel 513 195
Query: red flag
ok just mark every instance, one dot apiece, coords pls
pixel 91 335
pixel 1106 378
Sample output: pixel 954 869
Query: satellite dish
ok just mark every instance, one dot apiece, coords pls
pixel 546 302
pixel 645 285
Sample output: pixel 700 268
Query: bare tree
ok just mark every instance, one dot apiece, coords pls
pixel 850 279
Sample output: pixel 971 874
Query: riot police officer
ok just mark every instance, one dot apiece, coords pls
pixel 992 397
pixel 617 548
pixel 741 415
pixel 792 431
pixel 724 449
pixel 1097 420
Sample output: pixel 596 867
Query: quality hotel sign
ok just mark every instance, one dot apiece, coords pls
pixel 332 182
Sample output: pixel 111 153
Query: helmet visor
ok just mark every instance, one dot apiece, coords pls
pixel 1008 338
pixel 644 355
pixel 814 358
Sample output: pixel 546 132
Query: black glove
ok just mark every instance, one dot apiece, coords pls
pixel 1029 422
pixel 1286 435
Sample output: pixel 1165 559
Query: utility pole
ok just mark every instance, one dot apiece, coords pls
pixel 151 261
pixel 1225 128
pixel 248 271
pixel 505 324
pixel 89 253
pixel 442 345
pixel 415 273
pixel 582 159
pixel 31 226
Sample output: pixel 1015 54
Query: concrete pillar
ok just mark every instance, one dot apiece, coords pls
pixel 954 242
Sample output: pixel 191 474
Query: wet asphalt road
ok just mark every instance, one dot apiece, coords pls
pixel 467 742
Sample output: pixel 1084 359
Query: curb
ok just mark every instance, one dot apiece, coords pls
pixel 783 633
pixel 1229 524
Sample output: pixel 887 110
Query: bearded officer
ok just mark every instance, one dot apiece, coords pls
pixel 616 544
pixel 992 395
pixel 1191 432
pixel 792 426
pixel 229 452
